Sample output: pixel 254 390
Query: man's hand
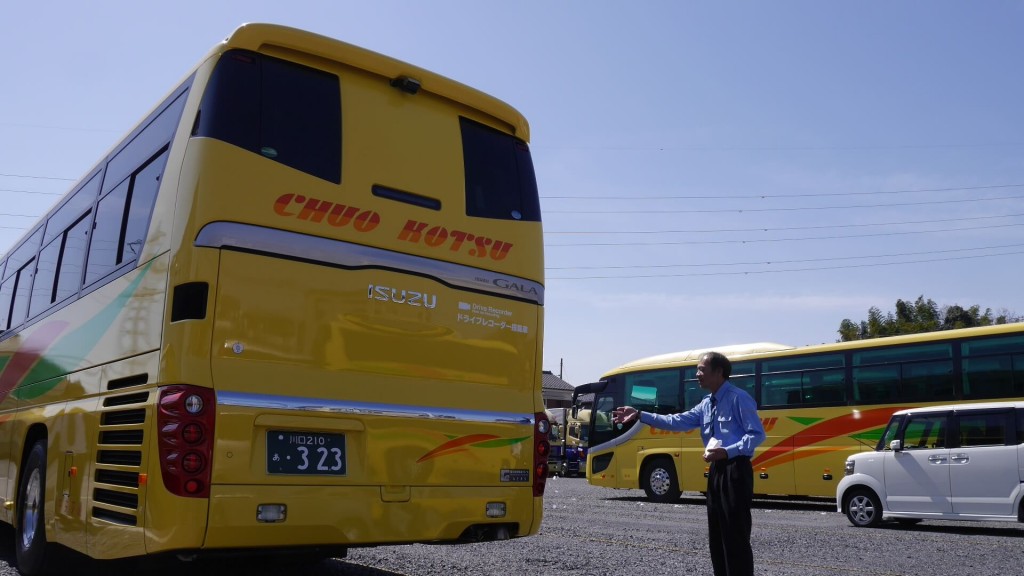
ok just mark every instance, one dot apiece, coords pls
pixel 624 415
pixel 716 454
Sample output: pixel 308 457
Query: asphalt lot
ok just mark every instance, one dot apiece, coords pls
pixel 589 530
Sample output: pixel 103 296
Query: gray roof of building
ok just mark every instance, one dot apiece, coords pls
pixel 551 381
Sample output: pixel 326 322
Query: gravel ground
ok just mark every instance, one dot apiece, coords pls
pixel 589 530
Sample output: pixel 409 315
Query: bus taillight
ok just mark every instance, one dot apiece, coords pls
pixel 184 423
pixel 541 449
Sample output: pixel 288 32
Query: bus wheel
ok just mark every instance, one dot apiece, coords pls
pixel 30 544
pixel 863 508
pixel 659 480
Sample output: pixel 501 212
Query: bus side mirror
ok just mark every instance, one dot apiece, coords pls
pixel 895 445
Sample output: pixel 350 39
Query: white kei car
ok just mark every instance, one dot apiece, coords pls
pixel 953 462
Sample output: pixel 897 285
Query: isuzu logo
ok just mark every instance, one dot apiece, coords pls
pixel 401 296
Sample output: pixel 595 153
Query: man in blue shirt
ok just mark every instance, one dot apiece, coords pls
pixel 728 414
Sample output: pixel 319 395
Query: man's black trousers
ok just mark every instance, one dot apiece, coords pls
pixel 730 495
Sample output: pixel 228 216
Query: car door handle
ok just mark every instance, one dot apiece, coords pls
pixel 937 459
pixel 960 458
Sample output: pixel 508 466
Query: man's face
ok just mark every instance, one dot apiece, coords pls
pixel 707 377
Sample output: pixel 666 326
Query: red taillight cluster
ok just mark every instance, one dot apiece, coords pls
pixel 541 449
pixel 185 417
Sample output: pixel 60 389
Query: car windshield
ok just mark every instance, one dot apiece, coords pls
pixel 889 434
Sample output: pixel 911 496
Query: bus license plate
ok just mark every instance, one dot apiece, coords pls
pixel 305 453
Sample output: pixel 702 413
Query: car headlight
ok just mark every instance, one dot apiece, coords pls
pixel 850 465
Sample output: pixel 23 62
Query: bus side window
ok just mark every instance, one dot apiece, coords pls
pixel 6 295
pixel 990 377
pixel 119 234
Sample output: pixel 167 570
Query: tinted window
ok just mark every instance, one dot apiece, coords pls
pixel 144 186
pixel 106 234
pixel 46 276
pixel 743 377
pixel 23 253
pixel 993 367
pixel 122 218
pixel 816 379
pixel 904 373
pixel 79 203
pixel 692 392
pixel 6 296
pixel 927 381
pixel 145 144
pixel 876 384
pixel 500 182
pixel 281 110
pixel 903 354
pixel 925 432
pixel 803 363
pixel 890 433
pixel 985 428
pixel 72 262
pixel 656 392
pixel 22 287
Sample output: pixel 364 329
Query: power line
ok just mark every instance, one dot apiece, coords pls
pixel 753 272
pixel 766 196
pixel 796 209
pixel 776 262
pixel 787 228
pixel 726 148
pixel 758 240
pixel 37 177
pixel 31 192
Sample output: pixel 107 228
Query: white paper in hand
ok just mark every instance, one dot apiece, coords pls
pixel 712 444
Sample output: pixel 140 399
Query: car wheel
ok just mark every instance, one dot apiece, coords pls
pixel 659 481
pixel 864 509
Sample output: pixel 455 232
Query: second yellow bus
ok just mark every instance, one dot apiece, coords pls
pixel 818 405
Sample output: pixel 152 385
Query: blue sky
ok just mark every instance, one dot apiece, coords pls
pixel 711 173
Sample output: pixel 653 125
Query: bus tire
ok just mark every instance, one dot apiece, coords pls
pixel 34 554
pixel 863 508
pixel 659 480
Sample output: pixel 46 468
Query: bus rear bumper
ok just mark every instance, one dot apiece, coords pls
pixel 367 515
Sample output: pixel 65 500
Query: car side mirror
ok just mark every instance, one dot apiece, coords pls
pixel 895 445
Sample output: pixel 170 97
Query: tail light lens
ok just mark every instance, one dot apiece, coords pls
pixel 541 449
pixel 184 421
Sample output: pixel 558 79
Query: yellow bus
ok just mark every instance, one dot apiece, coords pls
pixel 298 307
pixel 818 405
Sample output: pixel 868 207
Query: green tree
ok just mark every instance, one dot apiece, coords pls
pixel 920 316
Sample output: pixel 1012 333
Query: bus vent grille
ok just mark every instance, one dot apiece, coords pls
pixel 128 381
pixel 117 478
pixel 114 517
pixel 114 498
pixel 120 417
pixel 124 399
pixel 119 457
pixel 122 437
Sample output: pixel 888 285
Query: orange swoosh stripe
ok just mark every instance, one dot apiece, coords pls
pixel 841 426
pixel 456 445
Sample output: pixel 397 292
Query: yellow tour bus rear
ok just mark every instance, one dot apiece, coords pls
pixel 329 334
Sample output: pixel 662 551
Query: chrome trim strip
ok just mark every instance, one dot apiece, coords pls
pixel 319 405
pixel 341 253
pixel 626 436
